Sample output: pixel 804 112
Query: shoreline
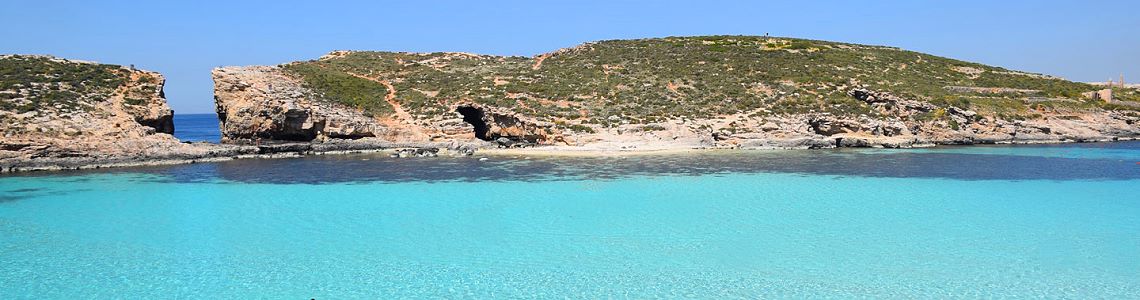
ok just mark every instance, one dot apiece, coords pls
pixel 408 150
pixel 571 151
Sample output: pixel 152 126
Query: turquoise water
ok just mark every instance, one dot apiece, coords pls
pixel 991 222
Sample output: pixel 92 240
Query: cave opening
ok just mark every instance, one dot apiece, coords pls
pixel 474 116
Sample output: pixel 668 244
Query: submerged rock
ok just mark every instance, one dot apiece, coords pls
pixel 416 152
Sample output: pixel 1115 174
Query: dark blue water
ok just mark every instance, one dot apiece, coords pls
pixel 197 127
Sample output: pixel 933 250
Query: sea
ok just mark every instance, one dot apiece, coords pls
pixel 1030 221
pixel 197 128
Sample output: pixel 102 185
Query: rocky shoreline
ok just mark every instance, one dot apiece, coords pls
pixel 280 150
pixel 209 152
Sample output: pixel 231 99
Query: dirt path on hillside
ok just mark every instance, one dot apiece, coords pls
pixel 538 61
pixel 400 113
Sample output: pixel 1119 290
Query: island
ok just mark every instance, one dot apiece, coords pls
pixel 617 96
pixel 666 93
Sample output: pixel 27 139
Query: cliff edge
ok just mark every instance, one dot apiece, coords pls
pixel 59 113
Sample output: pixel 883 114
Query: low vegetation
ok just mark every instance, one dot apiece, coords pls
pixel 340 87
pixel 30 83
pixel 651 80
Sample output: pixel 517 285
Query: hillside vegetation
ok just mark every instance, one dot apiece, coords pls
pixel 37 83
pixel 653 80
pixel 37 90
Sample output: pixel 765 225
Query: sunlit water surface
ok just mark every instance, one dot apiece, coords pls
pixel 1056 221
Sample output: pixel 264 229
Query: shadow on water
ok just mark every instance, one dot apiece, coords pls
pixel 17 194
pixel 29 193
pixel 12 198
pixel 842 162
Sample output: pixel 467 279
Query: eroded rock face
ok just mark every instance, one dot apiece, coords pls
pixel 68 109
pixel 262 103
pixel 267 103
pixel 255 103
pixel 492 124
pixel 901 123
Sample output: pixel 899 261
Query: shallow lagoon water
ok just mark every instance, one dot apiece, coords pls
pixel 963 222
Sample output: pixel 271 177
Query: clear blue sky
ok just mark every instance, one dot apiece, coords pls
pixel 1079 40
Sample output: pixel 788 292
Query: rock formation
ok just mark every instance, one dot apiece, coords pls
pixel 694 92
pixel 59 113
pixel 263 103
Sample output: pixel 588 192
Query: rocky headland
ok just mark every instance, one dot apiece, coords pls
pixel 667 93
pixel 66 114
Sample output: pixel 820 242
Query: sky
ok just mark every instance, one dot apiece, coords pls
pixel 184 40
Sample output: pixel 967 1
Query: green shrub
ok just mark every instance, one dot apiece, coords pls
pixel 45 82
pixel 339 87
pixel 800 45
pixel 134 101
pixel 581 128
pixel 651 80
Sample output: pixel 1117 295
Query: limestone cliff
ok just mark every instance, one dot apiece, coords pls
pixel 266 103
pixel 56 110
pixel 720 91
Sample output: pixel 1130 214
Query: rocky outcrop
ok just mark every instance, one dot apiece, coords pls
pixel 904 123
pixel 677 92
pixel 72 114
pixel 263 103
pixel 494 124
pixel 56 118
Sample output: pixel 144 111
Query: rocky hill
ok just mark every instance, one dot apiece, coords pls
pixel 57 113
pixel 716 91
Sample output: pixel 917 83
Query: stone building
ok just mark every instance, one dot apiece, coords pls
pixel 1105 94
